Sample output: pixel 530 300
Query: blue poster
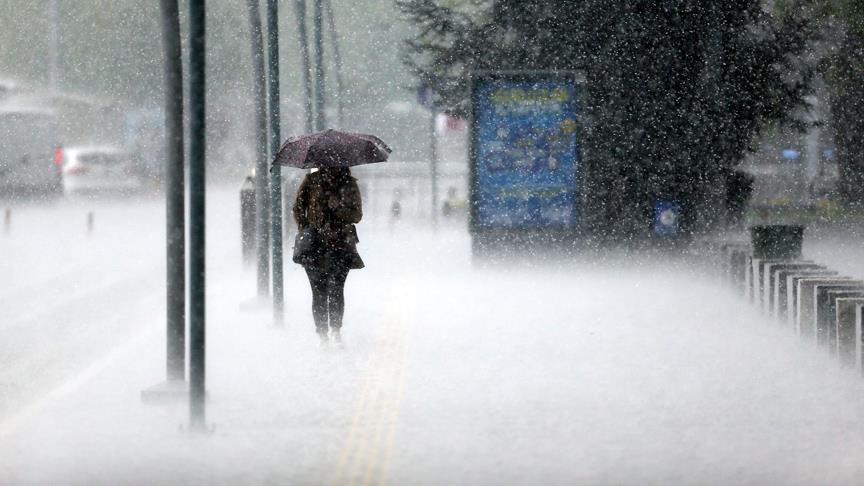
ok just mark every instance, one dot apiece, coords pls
pixel 525 153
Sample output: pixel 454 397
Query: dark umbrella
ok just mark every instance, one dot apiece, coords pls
pixel 331 148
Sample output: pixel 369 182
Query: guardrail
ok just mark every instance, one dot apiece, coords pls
pixel 818 304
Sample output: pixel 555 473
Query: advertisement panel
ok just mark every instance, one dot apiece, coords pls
pixel 525 150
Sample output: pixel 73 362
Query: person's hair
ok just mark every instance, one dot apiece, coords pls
pixel 336 174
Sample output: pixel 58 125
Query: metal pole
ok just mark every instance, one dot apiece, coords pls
pixel 197 190
pixel 174 193
pixel 337 61
pixel 54 44
pixel 300 13
pixel 262 195
pixel 320 121
pixel 276 171
pixel 433 166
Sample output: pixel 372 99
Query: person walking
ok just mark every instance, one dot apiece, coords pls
pixel 328 203
pixel 326 209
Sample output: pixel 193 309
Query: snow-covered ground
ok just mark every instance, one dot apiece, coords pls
pixel 624 370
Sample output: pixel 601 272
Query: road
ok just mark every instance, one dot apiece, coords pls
pixel 618 369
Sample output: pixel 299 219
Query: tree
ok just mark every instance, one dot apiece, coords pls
pixel 843 23
pixel 676 90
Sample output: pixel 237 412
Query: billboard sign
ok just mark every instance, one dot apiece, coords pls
pixel 524 150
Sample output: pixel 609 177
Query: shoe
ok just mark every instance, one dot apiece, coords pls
pixel 336 336
pixel 325 341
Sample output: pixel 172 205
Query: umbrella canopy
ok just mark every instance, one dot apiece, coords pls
pixel 332 148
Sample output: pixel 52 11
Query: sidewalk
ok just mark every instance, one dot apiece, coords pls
pixel 624 373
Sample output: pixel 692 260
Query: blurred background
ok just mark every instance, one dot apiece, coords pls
pixel 96 67
pixel 93 71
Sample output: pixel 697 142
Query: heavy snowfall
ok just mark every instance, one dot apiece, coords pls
pixel 609 329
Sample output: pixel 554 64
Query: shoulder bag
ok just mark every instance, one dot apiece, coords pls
pixel 306 245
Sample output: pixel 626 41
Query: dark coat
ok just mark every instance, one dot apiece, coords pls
pixel 331 207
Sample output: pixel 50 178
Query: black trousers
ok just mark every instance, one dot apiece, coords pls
pixel 328 296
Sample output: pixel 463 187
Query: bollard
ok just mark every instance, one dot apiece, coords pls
pixel 833 295
pixel 825 309
pixel 859 336
pixel 728 258
pixel 247 220
pixel 759 279
pixel 721 261
pixel 748 277
pixel 776 278
pixel 830 313
pixel 806 305
pixel 724 261
pixel 792 294
pixel 7 220
pixel 756 282
pixel 785 289
pixel 844 322
pixel 738 269
pixel 89 223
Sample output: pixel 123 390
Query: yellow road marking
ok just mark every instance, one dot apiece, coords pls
pixel 352 433
pixel 366 454
pixel 394 419
pixel 387 413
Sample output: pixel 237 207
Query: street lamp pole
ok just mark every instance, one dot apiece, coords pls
pixel 175 218
pixel 275 172
pixel 300 13
pixel 317 27
pixel 262 187
pixel 197 212
pixel 337 59
pixel 433 165
pixel 54 44
pixel 174 192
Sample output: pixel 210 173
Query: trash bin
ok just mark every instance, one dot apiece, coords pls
pixel 777 241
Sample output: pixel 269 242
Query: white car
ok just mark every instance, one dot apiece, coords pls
pixel 99 170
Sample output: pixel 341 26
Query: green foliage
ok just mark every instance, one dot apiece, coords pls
pixel 677 89
pixel 850 13
pixel 843 24
pixel 840 51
